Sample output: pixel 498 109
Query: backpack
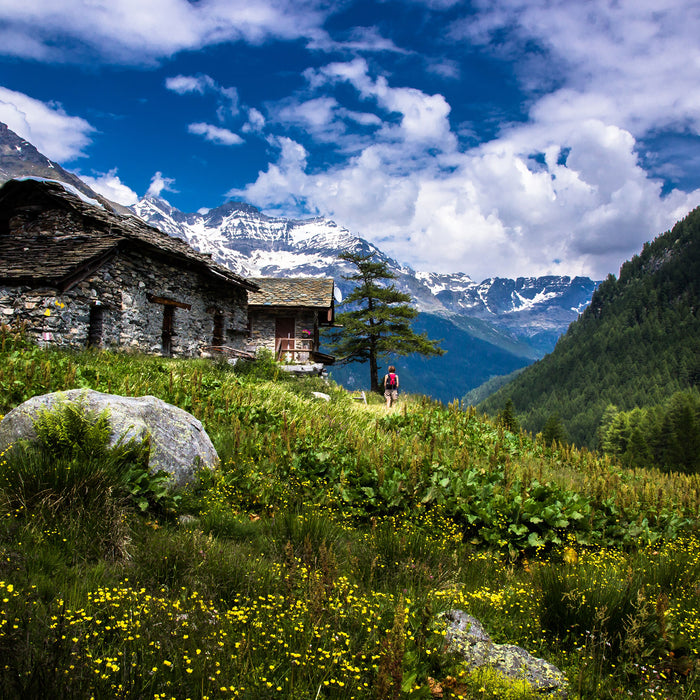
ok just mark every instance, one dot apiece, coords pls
pixel 392 382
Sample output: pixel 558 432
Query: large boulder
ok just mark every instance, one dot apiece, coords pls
pixel 179 443
pixel 466 637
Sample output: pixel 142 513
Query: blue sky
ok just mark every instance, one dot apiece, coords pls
pixel 492 137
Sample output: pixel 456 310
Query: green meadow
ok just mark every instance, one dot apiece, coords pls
pixel 317 560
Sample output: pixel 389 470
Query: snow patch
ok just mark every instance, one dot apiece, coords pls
pixel 68 187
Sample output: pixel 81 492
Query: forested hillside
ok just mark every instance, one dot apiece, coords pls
pixel 635 346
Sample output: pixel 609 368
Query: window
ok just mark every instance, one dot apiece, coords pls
pixel 218 336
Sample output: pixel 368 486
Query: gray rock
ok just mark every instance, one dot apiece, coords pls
pixel 307 370
pixel 465 626
pixel 467 638
pixel 179 443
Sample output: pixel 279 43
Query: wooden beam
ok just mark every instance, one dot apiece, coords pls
pixel 83 272
pixel 168 302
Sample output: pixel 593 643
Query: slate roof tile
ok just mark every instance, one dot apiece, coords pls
pixel 292 291
pixel 53 255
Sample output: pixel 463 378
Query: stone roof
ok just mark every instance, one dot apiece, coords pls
pixel 309 292
pixel 48 235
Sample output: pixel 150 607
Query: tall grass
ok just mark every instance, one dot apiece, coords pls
pixel 316 561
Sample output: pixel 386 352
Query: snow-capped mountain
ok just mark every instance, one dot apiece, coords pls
pixel 249 242
pixel 246 240
pixel 496 295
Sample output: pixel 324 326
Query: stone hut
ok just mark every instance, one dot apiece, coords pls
pixel 286 315
pixel 80 274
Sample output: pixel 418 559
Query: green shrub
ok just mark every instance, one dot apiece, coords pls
pixel 71 482
pixel 263 367
pixel 605 605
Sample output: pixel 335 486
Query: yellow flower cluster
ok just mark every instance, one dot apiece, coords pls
pixel 125 637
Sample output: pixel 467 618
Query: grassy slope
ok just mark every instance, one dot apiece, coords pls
pixel 315 562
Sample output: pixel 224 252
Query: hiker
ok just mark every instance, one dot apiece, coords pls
pixel 391 386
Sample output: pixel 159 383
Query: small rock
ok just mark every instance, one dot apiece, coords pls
pixel 467 638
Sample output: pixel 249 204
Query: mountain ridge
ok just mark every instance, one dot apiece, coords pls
pixel 19 158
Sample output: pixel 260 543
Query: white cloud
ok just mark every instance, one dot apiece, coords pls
pixel 109 185
pixel 159 183
pixel 200 84
pixel 445 68
pixel 359 40
pixel 318 116
pixel 184 84
pixel 326 121
pixel 255 123
pixel 491 210
pixel 631 63
pixel 563 193
pixel 424 118
pixel 133 31
pixel 22 45
pixel 54 133
pixel 215 134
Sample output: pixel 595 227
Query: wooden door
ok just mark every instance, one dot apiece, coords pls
pixel 284 335
pixel 168 325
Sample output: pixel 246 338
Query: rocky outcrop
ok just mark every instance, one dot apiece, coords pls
pixel 467 638
pixel 179 443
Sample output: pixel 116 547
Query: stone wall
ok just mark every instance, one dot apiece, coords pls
pixel 122 291
pixel 263 324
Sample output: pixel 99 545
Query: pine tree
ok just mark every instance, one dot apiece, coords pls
pixel 507 417
pixel 554 431
pixel 378 323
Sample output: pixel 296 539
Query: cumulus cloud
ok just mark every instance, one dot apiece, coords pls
pixel 318 116
pixel 424 118
pixel 160 183
pixel 57 135
pixel 629 63
pixel 327 122
pixel 133 32
pixel 184 84
pixel 215 134
pixel 255 122
pixel 492 210
pixel 109 185
pixel 561 193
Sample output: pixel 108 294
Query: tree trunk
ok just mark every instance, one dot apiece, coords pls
pixel 373 367
pixel 374 371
